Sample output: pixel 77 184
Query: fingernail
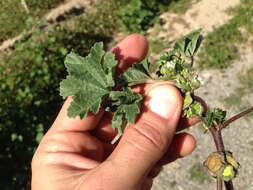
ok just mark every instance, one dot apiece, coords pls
pixel 164 101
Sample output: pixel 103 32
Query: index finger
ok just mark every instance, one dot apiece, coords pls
pixel 133 48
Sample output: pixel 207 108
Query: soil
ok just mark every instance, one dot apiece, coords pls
pixel 204 14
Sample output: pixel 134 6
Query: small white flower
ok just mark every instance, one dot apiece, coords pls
pixel 170 64
pixel 199 80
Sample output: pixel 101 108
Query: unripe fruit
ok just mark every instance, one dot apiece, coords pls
pixel 222 165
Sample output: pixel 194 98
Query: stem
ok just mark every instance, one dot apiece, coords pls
pixel 217 137
pixel 149 81
pixel 219 183
pixel 192 61
pixel 229 185
pixel 23 3
pixel 238 116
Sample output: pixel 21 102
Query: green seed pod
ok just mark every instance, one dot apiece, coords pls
pixel 228 173
pixel 232 161
pixel 187 100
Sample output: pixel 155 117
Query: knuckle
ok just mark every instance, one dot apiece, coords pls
pixel 150 136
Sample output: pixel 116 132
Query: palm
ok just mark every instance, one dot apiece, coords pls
pixel 67 158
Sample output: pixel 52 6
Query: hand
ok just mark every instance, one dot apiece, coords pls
pixel 78 155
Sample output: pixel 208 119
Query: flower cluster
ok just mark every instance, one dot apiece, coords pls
pixel 173 67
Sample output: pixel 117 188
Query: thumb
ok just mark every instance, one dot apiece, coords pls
pixel 144 143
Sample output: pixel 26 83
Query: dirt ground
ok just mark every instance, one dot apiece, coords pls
pixel 204 14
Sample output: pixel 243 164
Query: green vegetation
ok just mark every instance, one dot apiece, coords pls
pixel 101 20
pixel 90 81
pixel 139 15
pixel 198 174
pixel 13 15
pixel 29 96
pixel 29 79
pixel 220 47
pixel 133 16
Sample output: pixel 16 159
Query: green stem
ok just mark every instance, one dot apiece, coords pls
pixel 149 81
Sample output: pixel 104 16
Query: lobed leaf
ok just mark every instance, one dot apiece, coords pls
pixel 89 81
pixel 215 116
pixel 125 105
pixel 189 44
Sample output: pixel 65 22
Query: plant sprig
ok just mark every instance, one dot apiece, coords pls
pixel 91 82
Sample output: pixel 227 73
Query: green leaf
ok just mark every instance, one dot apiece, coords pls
pixel 39 136
pixel 209 118
pixel 180 46
pixel 187 100
pixel 189 44
pixel 125 105
pixel 205 127
pixel 230 159
pixel 90 80
pixel 195 109
pixel 215 116
pixel 137 74
pixel 219 114
pixel 117 122
pixel 194 42
pixel 70 86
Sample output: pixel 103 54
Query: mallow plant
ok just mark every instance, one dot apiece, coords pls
pixel 91 82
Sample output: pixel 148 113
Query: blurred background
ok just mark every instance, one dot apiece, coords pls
pixel 36 35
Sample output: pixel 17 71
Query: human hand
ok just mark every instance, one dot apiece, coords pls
pixel 77 154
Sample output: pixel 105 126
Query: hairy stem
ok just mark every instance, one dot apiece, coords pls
pixel 229 185
pixel 237 116
pixel 217 137
pixel 192 61
pixel 150 81
pixel 219 183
